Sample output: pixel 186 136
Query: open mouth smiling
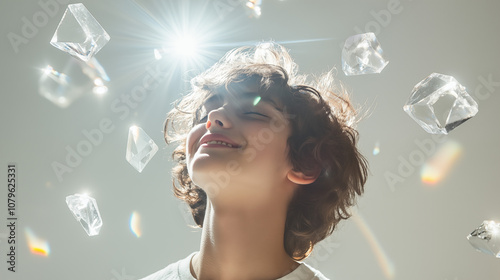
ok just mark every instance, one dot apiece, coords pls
pixel 218 140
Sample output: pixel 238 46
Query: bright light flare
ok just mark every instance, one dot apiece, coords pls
pixel 98 82
pixel 438 166
pixel 99 87
pixel 58 77
pixel 134 129
pixel 186 45
pixel 48 69
pixel 135 225
pixel 37 246
pixel 100 90
pixel 185 49
pixel 492 227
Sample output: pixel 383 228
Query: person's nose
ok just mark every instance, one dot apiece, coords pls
pixel 219 118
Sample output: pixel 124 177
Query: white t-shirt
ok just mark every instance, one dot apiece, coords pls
pixel 180 270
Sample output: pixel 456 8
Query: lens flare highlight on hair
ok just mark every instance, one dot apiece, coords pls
pixel 437 167
pixel 385 263
pixel 135 224
pixel 37 246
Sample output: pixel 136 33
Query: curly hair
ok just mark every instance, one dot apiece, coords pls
pixel 323 138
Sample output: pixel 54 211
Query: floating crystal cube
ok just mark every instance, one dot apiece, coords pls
pixel 77 78
pixel 85 210
pixel 362 54
pixel 486 238
pixel 439 104
pixel 140 148
pixel 79 33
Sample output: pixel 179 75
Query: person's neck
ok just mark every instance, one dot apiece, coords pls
pixel 242 243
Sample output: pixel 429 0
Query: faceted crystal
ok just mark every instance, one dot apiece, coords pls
pixel 362 54
pixel 140 148
pixel 76 78
pixel 439 104
pixel 486 238
pixel 79 33
pixel 85 210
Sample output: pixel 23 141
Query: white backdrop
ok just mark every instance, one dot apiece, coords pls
pixel 405 229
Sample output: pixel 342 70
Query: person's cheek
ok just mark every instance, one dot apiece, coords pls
pixel 191 141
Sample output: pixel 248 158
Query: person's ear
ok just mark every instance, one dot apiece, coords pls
pixel 300 178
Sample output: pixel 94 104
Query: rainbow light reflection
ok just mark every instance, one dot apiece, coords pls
pixel 135 224
pixel 385 263
pixel 437 167
pixel 376 149
pixel 37 246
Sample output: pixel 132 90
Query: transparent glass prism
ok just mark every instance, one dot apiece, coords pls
pixel 486 238
pixel 140 148
pixel 362 54
pixel 85 210
pixel 76 78
pixel 79 33
pixel 439 104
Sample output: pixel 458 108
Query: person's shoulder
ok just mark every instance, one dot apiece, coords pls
pixel 178 270
pixel 169 272
pixel 304 272
pixel 316 274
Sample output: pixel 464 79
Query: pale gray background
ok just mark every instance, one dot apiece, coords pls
pixel 422 229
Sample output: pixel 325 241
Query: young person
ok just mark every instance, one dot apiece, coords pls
pixel 267 163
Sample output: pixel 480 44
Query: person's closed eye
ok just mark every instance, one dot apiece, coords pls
pixel 256 113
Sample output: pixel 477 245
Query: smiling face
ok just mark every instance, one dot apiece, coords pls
pixel 255 162
pixel 318 138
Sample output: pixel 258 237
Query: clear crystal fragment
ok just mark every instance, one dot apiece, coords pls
pixel 85 210
pixel 439 104
pixel 76 78
pixel 486 238
pixel 362 54
pixel 140 148
pixel 79 33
